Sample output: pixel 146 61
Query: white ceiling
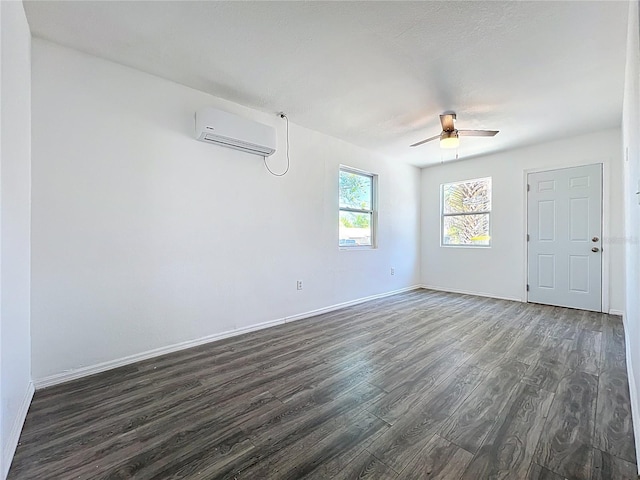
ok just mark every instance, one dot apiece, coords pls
pixel 376 74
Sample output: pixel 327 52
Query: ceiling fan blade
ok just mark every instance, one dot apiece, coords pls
pixel 477 133
pixel 447 120
pixel 425 141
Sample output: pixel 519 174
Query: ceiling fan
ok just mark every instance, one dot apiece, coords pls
pixel 449 137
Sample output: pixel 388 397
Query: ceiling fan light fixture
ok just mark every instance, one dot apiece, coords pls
pixel 449 140
pixel 449 137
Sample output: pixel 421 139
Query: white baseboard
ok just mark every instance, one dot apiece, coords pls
pixel 74 374
pixel 613 311
pixel 77 373
pixel 338 306
pixel 11 443
pixel 633 393
pixel 468 292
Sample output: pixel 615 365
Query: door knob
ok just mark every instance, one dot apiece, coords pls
pixel 595 239
pixel 595 249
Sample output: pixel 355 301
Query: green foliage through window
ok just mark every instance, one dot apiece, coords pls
pixel 355 190
pixel 356 199
pixel 466 210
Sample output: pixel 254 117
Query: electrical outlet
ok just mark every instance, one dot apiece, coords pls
pixel 393 271
pixel 299 284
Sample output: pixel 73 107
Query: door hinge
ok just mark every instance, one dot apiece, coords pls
pixel 527 287
pixel 527 237
pixel 528 187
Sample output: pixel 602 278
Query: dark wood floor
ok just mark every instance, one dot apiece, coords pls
pixel 421 385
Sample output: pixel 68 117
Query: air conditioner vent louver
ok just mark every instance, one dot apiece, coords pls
pixel 235 132
pixel 237 144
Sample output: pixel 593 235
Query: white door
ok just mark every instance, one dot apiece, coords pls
pixel 564 224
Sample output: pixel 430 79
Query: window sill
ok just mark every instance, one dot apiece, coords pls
pixel 465 246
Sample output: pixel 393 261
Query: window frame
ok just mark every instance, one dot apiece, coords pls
pixel 373 211
pixel 443 215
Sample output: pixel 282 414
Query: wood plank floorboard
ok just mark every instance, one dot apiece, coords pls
pixel 468 426
pixel 509 447
pixel 607 466
pixel 545 373
pixel 536 472
pixel 614 429
pixel 420 385
pixel 439 460
pixel 585 355
pixel 613 344
pixel 366 467
pixel 406 438
pixel 565 443
pixel 401 400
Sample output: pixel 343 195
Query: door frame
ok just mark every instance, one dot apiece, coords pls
pixel 605 223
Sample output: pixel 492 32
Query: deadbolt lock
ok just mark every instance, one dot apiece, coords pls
pixel 595 249
pixel 595 239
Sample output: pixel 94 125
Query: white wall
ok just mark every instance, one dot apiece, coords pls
pixel 499 271
pixel 15 188
pixel 143 237
pixel 631 144
pixel 3 469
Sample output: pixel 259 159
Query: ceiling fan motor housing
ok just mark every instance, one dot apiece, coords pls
pixel 449 134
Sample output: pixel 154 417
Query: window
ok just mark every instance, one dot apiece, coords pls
pixel 466 211
pixel 357 208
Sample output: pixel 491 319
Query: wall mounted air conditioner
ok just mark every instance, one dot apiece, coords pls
pixel 229 130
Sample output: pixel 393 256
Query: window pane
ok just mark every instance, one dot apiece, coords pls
pixel 355 190
pixel 471 196
pixel 466 230
pixel 355 229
